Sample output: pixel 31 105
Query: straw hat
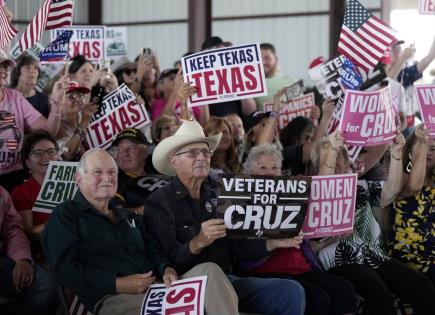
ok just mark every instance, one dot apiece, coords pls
pixel 190 131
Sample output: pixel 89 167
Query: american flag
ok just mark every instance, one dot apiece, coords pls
pixel 364 38
pixel 7 31
pixel 53 14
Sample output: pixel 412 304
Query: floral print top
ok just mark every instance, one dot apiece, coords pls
pixel 364 246
pixel 413 220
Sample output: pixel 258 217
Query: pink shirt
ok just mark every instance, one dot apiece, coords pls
pixel 158 105
pixel 15 242
pixel 16 115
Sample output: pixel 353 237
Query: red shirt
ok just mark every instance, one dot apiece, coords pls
pixel 24 197
pixel 289 261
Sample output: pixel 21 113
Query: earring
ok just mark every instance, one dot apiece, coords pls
pixel 409 165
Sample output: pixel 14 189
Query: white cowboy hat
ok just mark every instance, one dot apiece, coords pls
pixel 190 131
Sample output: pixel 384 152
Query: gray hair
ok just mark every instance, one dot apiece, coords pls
pixel 81 168
pixel 264 149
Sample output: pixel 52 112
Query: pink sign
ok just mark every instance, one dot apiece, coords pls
pixel 426 101
pixel 298 106
pixel 331 206
pixel 426 7
pixel 367 118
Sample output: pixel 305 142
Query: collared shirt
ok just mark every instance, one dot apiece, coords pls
pixel 88 251
pixel 174 218
pixel 15 242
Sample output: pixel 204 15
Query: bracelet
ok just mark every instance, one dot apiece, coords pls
pixel 397 159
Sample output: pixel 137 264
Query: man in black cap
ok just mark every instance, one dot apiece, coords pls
pixel 131 148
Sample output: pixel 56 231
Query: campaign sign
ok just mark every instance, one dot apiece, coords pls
pixel 118 111
pixel 58 186
pixel 262 206
pixel 183 297
pixel 116 41
pixel 367 118
pixel 294 90
pixel 331 207
pixel 89 41
pixel 225 74
pixel 328 76
pixel 34 51
pixel 298 106
pixel 426 102
pixel 426 7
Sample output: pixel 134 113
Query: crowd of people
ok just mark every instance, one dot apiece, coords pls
pixel 117 236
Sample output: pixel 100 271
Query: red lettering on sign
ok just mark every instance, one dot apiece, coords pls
pixel 223 82
pixel 95 130
pixel 96 50
pixel 105 127
pixel 135 113
pixel 125 120
pixel 187 294
pixel 251 84
pixel 197 78
pixel 237 81
pixel 209 83
pixel 113 121
pixel 86 50
pixel 180 309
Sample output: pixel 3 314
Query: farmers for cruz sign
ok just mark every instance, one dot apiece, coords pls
pixel 58 186
pixel 183 297
pixel 260 206
pixel 225 74
pixel 118 111
pixel 331 206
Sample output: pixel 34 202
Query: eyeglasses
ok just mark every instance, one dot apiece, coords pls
pixel 129 71
pixel 76 97
pixel 193 153
pixel 40 153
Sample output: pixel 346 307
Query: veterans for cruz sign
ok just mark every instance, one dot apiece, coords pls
pixel 262 206
pixel 225 74
pixel 58 186
pixel 182 297
pixel 331 206
pixel 298 106
pixel 89 41
pixel 426 102
pixel 119 110
pixel 368 118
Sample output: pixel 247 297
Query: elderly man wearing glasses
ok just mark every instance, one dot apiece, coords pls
pixel 182 216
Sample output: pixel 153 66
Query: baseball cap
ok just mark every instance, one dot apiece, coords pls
pixel 132 134
pixel 74 86
pixel 255 118
pixel 5 58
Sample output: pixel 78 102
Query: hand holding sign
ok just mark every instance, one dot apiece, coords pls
pixel 396 148
pixel 328 107
pixel 211 230
pixel 285 242
pixel 336 140
pixel 134 284
pixel 277 99
pixel 169 276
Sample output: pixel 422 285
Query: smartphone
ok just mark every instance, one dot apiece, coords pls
pixel 147 52
pixel 97 94
pixel 104 64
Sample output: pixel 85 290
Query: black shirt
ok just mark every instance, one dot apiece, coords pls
pixel 174 218
pixel 40 102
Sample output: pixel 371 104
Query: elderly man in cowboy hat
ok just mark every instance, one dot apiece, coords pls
pixel 105 255
pixel 182 217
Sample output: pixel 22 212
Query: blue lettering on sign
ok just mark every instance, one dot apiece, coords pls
pixel 350 78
